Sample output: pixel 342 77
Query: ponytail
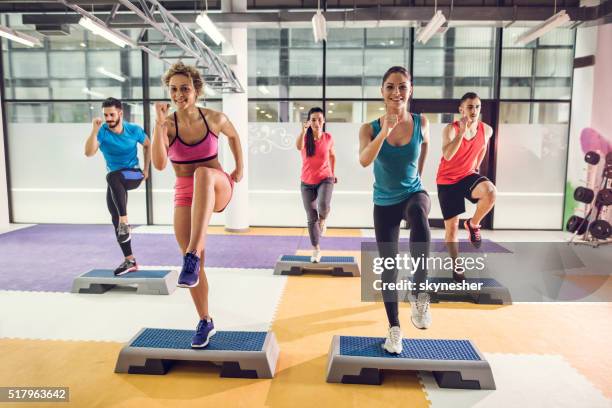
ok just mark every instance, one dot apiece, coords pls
pixel 310 144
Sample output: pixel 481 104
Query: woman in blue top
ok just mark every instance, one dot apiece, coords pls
pixel 397 145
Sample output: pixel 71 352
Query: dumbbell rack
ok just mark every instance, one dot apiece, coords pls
pixel 594 228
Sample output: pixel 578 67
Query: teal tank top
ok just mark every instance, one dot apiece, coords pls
pixel 396 175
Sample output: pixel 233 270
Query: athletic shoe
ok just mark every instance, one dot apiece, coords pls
pixel 393 342
pixel 127 266
pixel 458 277
pixel 421 316
pixel 316 256
pixel 474 233
pixel 322 226
pixel 190 274
pixel 203 333
pixel 123 233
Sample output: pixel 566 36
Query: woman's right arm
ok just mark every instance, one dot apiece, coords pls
pixel 299 143
pixel 159 148
pixel 368 148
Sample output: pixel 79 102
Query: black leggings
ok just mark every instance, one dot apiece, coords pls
pixel 387 220
pixel 119 182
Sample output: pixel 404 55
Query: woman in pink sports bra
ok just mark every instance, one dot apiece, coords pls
pixel 189 138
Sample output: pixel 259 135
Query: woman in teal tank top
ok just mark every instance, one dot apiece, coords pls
pixel 397 145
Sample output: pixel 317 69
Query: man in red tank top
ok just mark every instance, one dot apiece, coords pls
pixel 464 145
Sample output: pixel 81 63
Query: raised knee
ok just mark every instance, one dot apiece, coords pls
pixel 491 193
pixel 204 174
pixel 416 211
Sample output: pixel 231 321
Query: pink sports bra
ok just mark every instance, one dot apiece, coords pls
pixel 183 153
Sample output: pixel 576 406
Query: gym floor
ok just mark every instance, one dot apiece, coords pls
pixel 541 354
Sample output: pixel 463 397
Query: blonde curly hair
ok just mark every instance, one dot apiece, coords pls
pixel 189 71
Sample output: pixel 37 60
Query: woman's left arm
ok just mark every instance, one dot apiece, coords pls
pixel 228 129
pixel 332 159
pixel 424 143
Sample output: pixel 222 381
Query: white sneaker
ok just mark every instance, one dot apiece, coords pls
pixel 393 342
pixel 421 316
pixel 316 256
pixel 322 226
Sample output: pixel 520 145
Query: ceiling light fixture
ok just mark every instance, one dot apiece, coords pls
pixel 425 33
pixel 319 26
pixel 19 37
pixel 104 32
pixel 553 22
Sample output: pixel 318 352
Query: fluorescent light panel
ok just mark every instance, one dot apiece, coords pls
pixel 19 37
pixel 92 93
pixel 102 31
pixel 431 28
pixel 210 28
pixel 319 27
pixel 553 22
pixel 112 75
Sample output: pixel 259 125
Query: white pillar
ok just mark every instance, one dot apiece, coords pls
pixel 235 106
pixel 4 202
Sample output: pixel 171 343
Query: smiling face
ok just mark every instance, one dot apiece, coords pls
pixel 470 108
pixel 182 91
pixel 396 91
pixel 317 120
pixel 112 116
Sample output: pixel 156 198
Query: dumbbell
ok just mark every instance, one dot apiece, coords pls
pixel 592 158
pixel 584 195
pixel 600 229
pixel 608 172
pixel 576 223
pixel 604 197
pixel 609 159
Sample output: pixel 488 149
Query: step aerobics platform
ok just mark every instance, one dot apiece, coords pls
pixel 241 354
pixel 491 292
pixel 298 264
pixel 454 363
pixel 147 282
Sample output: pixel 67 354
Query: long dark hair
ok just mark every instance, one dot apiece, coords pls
pixel 310 144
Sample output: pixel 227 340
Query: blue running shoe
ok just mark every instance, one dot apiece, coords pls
pixel 190 274
pixel 204 331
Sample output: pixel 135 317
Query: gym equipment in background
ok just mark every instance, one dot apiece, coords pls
pixel 594 229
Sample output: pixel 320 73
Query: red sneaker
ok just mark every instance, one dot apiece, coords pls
pixel 474 233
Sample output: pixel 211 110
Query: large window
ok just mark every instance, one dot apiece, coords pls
pixel 55 90
pixel 541 69
pixel 452 64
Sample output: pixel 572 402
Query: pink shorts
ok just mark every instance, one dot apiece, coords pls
pixel 183 191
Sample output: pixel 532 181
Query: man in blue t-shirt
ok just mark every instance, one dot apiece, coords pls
pixel 117 140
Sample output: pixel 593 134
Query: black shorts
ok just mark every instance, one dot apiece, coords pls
pixel 451 196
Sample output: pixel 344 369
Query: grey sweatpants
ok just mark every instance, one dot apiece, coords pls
pixel 316 199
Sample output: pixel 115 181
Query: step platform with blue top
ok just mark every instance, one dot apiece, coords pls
pixel 491 292
pixel 454 363
pixel 147 282
pixel 241 354
pixel 298 264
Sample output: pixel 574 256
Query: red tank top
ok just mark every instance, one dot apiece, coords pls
pixel 463 162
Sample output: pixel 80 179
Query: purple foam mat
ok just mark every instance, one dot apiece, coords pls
pixel 49 257
pixel 437 245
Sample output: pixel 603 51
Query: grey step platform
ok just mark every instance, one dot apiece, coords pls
pixel 454 363
pixel 148 282
pixel 241 354
pixel 297 264
pixel 491 293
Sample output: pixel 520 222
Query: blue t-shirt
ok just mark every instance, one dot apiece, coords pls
pixel 396 173
pixel 119 150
